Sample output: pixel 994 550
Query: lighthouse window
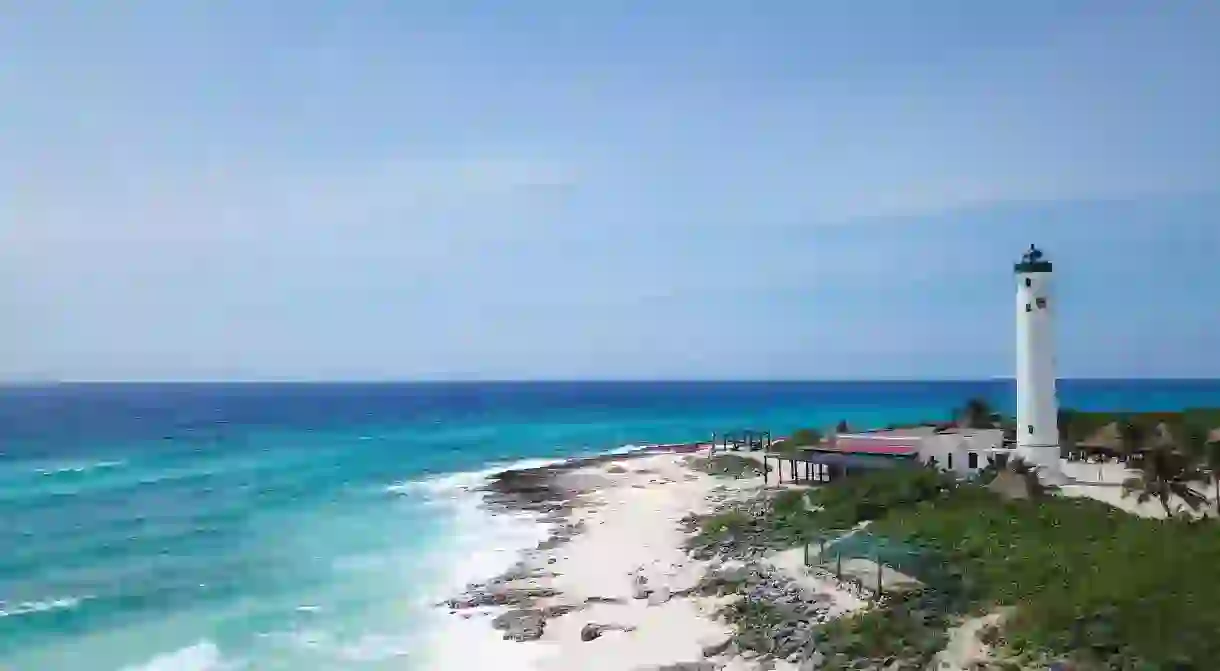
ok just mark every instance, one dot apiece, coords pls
pixel 1040 302
pixel 1030 427
pixel 972 460
pixel 1029 308
pixel 1029 282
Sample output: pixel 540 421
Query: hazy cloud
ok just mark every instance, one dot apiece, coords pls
pixel 216 190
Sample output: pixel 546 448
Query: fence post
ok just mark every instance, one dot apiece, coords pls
pixel 878 575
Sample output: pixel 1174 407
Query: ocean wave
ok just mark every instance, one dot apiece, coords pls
pixel 480 544
pixel 375 648
pixel 202 656
pixel 45 606
pixel 80 468
pixel 319 645
pixel 465 480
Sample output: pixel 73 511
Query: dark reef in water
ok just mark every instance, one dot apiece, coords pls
pixel 543 489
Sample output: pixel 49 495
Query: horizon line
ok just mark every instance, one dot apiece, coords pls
pixel 396 381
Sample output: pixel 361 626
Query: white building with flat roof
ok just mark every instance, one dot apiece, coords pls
pixel 963 452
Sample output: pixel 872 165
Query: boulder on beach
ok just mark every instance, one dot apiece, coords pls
pixel 659 596
pixel 639 587
pixel 521 624
pixel 718 646
pixel 594 630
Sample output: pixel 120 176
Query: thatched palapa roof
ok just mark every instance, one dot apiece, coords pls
pixel 1107 437
pixel 1162 436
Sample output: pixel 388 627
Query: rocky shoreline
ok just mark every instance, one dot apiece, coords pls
pixel 551 493
pixel 669 605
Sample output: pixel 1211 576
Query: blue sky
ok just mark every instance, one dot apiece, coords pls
pixel 373 190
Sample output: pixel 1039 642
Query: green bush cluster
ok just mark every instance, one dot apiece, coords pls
pixel 754 622
pixel 870 496
pixel 1117 591
pixel 905 636
pixel 804 437
pixel 781 521
pixel 727 524
pixel 730 466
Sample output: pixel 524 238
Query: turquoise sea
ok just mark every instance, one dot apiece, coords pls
pixel 200 527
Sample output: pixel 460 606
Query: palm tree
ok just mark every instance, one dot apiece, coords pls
pixel 1067 422
pixel 1132 438
pixel 1165 473
pixel 977 414
pixel 1211 461
pixel 1029 473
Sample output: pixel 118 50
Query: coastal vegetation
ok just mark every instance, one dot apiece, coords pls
pixel 906 634
pixel 1110 589
pixel 859 499
pixel 729 465
pixel 1085 581
pixel 1173 452
pixel 1211 465
pixel 804 438
pixel 977 414
pixel 775 521
pixel 1166 474
pixel 1077 579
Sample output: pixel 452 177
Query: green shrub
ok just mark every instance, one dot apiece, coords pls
pixel 730 523
pixel 789 502
pixel 869 496
pixel 1086 578
pixel 771 521
pixel 908 634
pixel 804 437
pixel 731 466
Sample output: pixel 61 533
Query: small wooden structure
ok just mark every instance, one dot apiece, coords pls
pixel 810 466
pixel 751 440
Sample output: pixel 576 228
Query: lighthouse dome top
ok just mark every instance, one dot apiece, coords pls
pixel 1034 261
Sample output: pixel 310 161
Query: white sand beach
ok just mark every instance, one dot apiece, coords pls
pixel 632 544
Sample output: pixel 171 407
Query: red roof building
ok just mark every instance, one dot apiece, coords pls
pixel 905 446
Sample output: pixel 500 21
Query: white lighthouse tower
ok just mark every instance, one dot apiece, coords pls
pixel 1037 408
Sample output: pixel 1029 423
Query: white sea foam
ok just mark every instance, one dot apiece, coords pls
pixel 319 645
pixel 465 480
pixel 481 545
pixel 375 648
pixel 202 656
pixel 46 605
pixel 447 482
pixel 80 468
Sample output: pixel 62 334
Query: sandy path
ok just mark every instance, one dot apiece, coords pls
pixel 965 651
